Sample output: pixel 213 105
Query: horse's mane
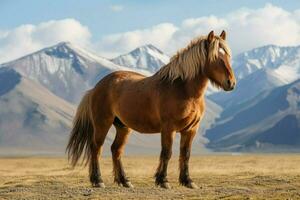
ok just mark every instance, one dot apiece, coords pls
pixel 189 61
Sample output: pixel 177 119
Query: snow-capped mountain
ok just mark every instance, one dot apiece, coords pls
pixel 64 69
pixel 32 119
pixel 270 122
pixel 283 60
pixel 146 57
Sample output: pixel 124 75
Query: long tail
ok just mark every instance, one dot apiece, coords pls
pixel 81 138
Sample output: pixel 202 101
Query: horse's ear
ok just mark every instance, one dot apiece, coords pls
pixel 223 35
pixel 210 36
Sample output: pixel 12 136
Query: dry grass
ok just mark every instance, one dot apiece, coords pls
pixel 219 176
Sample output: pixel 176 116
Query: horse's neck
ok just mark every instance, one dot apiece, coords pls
pixel 194 88
pixel 197 86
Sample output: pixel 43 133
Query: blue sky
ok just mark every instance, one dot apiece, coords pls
pixel 134 14
pixel 110 28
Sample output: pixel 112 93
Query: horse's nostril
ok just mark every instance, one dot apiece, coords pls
pixel 229 82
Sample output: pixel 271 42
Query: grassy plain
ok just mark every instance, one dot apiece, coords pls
pixel 218 177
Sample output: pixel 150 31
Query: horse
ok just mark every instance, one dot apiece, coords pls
pixel 170 101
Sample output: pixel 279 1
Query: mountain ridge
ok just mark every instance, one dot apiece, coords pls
pixel 147 57
pixel 65 69
pixel 277 114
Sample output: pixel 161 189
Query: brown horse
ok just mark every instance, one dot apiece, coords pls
pixel 170 101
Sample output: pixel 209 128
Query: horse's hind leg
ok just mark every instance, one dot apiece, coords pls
pixel 117 149
pixel 100 132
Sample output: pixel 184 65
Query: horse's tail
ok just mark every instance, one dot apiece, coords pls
pixel 81 138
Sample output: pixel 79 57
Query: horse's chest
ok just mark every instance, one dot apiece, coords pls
pixel 188 115
pixel 190 109
pixel 190 121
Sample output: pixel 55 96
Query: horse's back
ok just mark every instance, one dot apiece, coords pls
pixel 118 76
pixel 111 81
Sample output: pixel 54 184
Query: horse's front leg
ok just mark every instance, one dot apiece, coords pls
pixel 185 151
pixel 165 155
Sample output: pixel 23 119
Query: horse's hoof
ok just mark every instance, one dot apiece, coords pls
pixel 128 184
pixel 192 185
pixel 165 185
pixel 99 185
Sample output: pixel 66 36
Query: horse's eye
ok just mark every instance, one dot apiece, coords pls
pixel 222 51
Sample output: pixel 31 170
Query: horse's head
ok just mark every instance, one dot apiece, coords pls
pixel 218 68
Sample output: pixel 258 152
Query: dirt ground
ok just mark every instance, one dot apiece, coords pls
pixel 218 177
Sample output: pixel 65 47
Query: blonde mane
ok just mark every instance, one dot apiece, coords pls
pixel 190 61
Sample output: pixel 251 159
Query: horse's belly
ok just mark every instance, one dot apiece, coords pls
pixel 147 128
pixel 139 117
pixel 141 123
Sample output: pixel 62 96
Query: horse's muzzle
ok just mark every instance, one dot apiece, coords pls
pixel 229 85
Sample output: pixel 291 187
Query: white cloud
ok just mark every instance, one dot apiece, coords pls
pixel 158 35
pixel 268 25
pixel 246 28
pixel 116 8
pixel 28 38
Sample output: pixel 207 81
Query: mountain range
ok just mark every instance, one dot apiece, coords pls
pixel 262 114
pixel 285 61
pixel 268 122
pixel 65 69
pixel 39 93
